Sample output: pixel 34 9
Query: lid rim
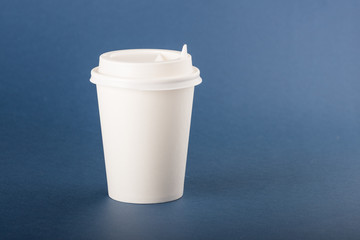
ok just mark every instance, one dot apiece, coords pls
pixel 163 83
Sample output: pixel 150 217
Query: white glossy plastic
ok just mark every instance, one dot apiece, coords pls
pixel 146 69
pixel 145 127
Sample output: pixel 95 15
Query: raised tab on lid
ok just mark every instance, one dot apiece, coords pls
pixel 184 51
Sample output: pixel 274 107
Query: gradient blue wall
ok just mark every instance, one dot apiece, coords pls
pixel 274 147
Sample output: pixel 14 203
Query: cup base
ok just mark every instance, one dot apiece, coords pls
pixel 132 200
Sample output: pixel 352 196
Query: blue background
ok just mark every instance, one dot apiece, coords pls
pixel 274 146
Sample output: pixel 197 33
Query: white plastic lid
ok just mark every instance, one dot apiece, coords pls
pixel 146 69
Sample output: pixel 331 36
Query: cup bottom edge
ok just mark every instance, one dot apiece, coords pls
pixel 144 202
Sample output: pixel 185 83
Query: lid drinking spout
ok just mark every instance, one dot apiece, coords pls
pixel 160 58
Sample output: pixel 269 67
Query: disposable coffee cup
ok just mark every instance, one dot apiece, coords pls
pixel 145 101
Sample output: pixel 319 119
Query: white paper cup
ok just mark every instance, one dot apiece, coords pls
pixel 145 102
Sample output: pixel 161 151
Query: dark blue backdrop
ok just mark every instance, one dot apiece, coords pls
pixel 274 147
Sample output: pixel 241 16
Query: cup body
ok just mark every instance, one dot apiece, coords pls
pixel 145 139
